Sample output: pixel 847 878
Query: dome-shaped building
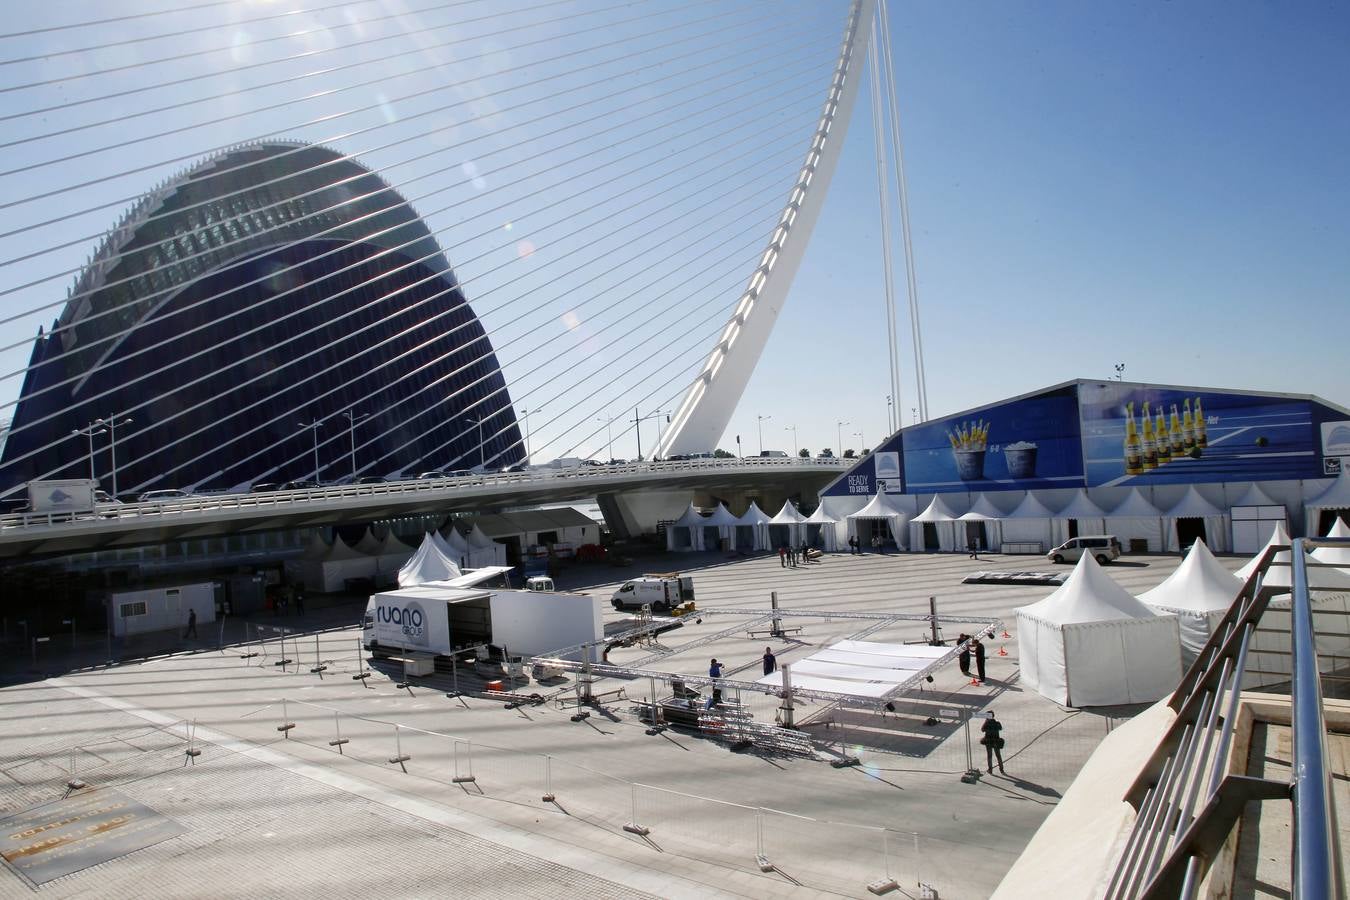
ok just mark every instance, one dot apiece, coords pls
pixel 269 287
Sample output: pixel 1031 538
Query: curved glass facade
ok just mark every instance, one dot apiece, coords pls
pixel 275 285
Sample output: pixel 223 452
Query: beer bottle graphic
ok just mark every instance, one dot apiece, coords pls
pixel 1134 459
pixel 1187 427
pixel 1150 443
pixel 1162 439
pixel 1178 440
pixel 1201 433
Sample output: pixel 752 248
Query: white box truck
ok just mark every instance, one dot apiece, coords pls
pixel 663 591
pixel 62 496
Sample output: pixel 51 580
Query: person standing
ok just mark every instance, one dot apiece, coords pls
pixel 993 742
pixel 979 659
pixel 782 555
pixel 299 601
pixel 964 656
pixel 806 553
pixel 715 671
pixel 192 624
pixel 770 661
pixel 970 545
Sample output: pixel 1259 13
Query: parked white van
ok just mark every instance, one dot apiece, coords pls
pixel 1105 547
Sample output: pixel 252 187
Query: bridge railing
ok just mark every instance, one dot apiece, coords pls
pixel 400 489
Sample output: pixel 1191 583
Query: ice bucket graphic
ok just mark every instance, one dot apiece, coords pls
pixel 969 464
pixel 1021 459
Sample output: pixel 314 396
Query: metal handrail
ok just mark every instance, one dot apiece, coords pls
pixel 1316 868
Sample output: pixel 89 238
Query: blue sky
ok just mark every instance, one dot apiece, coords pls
pixel 1161 185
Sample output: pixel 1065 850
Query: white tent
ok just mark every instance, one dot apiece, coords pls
pixel 1254 517
pixel 1135 519
pixel 315 550
pixel 429 563
pixel 723 529
pixel 444 546
pixel 686 532
pixel 1199 592
pixel 483 550
pixel 1194 506
pixel 1029 523
pixel 942 521
pixel 342 563
pixel 880 508
pixel 392 556
pixel 988 524
pixel 458 547
pixel 1090 517
pixel 789 526
pixel 822 530
pixel 1092 644
pixel 369 544
pixel 1335 556
pixel 1335 498
pixel 752 529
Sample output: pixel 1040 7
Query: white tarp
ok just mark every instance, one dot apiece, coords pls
pixel 1029 523
pixel 483 550
pixel 942 520
pixel 330 574
pixel 861 668
pixel 1199 592
pixel 429 563
pixel 1090 517
pixel 881 507
pixel 755 524
pixel 1135 519
pixel 1254 517
pixel 822 530
pixel 686 533
pixel 1092 644
pixel 1335 497
pixel 1193 505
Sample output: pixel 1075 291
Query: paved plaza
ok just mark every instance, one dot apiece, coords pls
pixel 376 789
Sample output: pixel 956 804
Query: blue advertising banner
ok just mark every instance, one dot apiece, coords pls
pixel 882 471
pixel 1032 442
pixel 1137 434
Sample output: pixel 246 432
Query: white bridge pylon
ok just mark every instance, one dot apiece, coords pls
pixel 706 408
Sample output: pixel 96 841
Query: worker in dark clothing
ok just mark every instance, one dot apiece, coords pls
pixel 993 742
pixel 770 661
pixel 964 656
pixel 978 647
pixel 715 671
pixel 192 624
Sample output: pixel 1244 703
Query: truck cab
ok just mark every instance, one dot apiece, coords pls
pixel 663 592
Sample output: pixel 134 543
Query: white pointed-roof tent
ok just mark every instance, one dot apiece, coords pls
pixel 1268 657
pixel 934 528
pixel 881 508
pixel 752 529
pixel 369 544
pixel 1090 518
pixel 1335 556
pixel 393 554
pixel 444 546
pixel 429 563
pixel 1134 520
pixel 1335 499
pixel 1092 644
pixel 1193 505
pixel 1253 518
pixel 1030 522
pixel 315 550
pixel 459 548
pixel 685 534
pixel 483 550
pixel 787 527
pixel 822 530
pixel 719 529
pixel 1198 593
pixel 342 563
pixel 988 518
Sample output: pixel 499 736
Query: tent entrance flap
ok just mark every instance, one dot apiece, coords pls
pixel 930 537
pixel 975 535
pixel 1190 529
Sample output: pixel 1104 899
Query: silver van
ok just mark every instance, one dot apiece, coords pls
pixel 1105 547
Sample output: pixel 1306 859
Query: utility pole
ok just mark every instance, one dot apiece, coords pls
pixel 482 461
pixel 839 433
pixel 793 429
pixel 526 414
pixel 760 423
pixel 314 428
pixel 352 418
pixel 112 424
pixel 89 431
pixel 609 428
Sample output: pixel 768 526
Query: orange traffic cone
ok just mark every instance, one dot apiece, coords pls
pixel 974 681
pixel 1002 651
pixel 1005 634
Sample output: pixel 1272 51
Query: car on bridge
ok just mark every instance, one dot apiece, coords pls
pixel 301 485
pixel 158 496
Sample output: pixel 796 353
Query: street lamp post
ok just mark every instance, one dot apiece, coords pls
pixel 609 428
pixel 793 429
pixel 112 424
pixel 839 435
pixel 890 413
pixel 482 460
pixel 862 441
pixel 760 424
pixel 89 431
pixel 314 428
pixel 352 418
pixel 526 414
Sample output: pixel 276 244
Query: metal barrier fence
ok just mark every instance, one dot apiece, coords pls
pixel 826 854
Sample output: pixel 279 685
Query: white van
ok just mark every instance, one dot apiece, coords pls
pixel 1105 547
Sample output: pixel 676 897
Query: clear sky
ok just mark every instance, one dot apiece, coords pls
pixel 1161 185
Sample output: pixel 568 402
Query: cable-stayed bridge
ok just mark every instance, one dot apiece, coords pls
pixel 351 242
